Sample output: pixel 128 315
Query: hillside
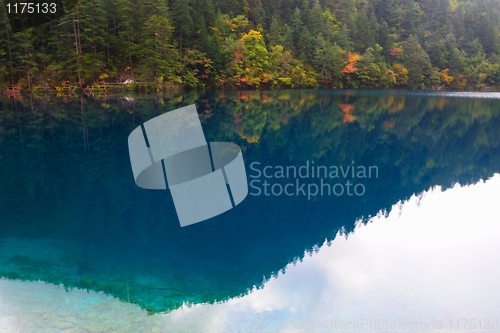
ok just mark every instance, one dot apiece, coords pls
pixel 385 44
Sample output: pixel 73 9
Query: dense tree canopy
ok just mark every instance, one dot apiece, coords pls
pixel 453 44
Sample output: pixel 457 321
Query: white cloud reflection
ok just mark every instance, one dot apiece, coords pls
pixel 438 257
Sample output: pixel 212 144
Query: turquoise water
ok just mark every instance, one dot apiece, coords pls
pixel 71 213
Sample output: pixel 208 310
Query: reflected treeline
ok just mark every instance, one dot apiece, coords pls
pixel 72 214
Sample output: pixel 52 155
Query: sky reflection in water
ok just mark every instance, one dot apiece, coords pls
pixel 433 257
pixel 71 215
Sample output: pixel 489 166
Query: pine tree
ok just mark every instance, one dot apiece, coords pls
pixel 418 64
pixel 183 23
pixel 276 31
pixel 317 20
pixel 383 39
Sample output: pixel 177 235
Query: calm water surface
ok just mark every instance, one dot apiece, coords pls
pixel 391 247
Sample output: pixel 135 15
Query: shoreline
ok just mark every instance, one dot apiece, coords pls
pixel 121 89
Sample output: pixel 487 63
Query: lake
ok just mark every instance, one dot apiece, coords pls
pixel 379 206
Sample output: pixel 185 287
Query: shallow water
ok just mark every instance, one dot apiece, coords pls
pixel 72 216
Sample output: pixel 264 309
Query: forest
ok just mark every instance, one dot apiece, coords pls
pixel 259 44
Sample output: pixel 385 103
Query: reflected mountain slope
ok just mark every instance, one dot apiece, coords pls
pixel 72 214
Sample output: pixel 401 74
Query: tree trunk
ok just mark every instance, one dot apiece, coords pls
pixel 80 78
pixel 9 48
pixel 180 55
pixel 76 38
pixel 180 49
pixel 107 38
pixel 27 61
pixel 129 48
pixel 77 53
pixel 93 27
pixel 43 52
pixel 78 29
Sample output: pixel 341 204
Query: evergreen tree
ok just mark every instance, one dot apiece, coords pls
pixel 418 64
pixel 183 22
pixel 276 32
pixel 383 39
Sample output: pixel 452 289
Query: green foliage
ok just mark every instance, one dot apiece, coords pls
pixel 418 64
pixel 159 56
pixel 202 43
